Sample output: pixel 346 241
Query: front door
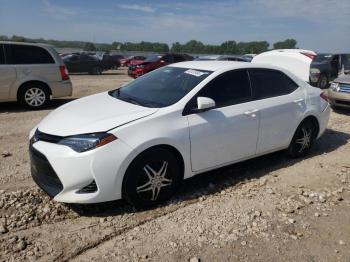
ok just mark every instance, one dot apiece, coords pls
pixel 229 132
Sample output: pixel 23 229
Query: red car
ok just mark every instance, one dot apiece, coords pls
pixel 156 61
pixel 127 61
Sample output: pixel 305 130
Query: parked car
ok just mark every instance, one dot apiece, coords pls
pixel 198 116
pixel 31 74
pixel 110 62
pixel 84 63
pixel 130 59
pixel 223 58
pixel 155 61
pixel 297 61
pixel 339 92
pixel 326 67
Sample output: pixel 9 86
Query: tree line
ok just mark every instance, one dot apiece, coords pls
pixel 192 46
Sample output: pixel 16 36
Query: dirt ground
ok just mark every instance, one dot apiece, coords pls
pixel 267 209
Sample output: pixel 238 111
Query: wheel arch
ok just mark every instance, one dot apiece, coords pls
pixel 313 119
pixel 32 82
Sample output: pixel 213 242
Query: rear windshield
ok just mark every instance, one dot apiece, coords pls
pixel 162 87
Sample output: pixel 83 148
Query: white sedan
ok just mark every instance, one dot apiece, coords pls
pixel 140 141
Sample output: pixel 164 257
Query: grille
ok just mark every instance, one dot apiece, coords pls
pixel 343 102
pixel 43 174
pixel 40 136
pixel 90 188
pixel 344 88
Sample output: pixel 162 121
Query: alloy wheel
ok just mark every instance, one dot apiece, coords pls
pixel 155 180
pixel 304 141
pixel 35 97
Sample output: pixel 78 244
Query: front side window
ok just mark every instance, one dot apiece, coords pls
pixel 228 88
pixel 162 87
pixel 2 55
pixel 269 83
pixel 25 54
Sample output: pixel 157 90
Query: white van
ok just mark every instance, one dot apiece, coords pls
pixel 32 74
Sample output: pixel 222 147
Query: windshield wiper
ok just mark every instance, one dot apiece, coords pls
pixel 130 100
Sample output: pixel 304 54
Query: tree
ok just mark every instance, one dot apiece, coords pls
pixel 286 44
pixel 89 47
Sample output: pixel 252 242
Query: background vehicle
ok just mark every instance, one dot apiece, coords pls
pixel 198 115
pixel 326 67
pixel 84 63
pixel 297 61
pixel 156 61
pixel 339 92
pixel 223 58
pixel 31 74
pixel 125 62
pixel 110 61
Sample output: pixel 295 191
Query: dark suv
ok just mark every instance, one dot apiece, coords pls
pixel 155 61
pixel 326 67
pixel 83 63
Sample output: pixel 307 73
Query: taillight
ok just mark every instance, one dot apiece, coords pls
pixel 309 55
pixel 64 73
pixel 324 96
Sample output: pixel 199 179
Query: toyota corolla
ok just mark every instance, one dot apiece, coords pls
pixel 140 141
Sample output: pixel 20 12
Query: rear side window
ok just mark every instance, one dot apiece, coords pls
pixel 25 54
pixel 228 88
pixel 2 55
pixel 269 83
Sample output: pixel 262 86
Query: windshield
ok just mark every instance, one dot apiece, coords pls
pixel 162 87
pixel 322 58
pixel 153 58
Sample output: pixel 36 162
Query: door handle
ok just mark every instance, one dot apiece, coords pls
pixel 298 100
pixel 251 112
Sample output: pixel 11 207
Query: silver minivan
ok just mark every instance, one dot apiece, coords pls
pixel 32 74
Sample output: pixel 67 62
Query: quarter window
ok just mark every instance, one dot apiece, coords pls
pixel 228 88
pixel 25 54
pixel 269 83
pixel 2 55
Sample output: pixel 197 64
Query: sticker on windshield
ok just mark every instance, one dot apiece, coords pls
pixel 195 72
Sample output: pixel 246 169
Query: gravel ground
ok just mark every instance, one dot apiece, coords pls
pixel 267 209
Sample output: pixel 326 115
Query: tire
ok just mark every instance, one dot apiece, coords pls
pixel 322 81
pixel 34 96
pixel 96 71
pixel 155 165
pixel 303 140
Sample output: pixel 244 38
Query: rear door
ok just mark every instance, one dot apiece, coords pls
pixel 7 75
pixel 281 105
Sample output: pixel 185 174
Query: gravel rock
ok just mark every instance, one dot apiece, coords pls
pixel 3 229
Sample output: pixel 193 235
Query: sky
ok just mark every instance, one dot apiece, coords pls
pixel 319 25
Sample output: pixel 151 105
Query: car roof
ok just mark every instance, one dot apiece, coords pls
pixel 25 43
pixel 220 65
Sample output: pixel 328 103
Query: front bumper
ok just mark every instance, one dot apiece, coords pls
pixel 341 99
pixel 61 89
pixel 63 173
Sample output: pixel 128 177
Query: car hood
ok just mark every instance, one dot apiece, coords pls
pixel 96 113
pixel 343 79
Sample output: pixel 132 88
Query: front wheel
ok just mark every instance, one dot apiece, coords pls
pixel 323 82
pixel 302 140
pixel 152 178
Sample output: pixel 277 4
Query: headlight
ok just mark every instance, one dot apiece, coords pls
pixel 334 86
pixel 315 71
pixel 82 143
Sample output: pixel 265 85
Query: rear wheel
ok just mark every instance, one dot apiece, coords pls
pixel 303 139
pixel 152 178
pixel 34 96
pixel 96 71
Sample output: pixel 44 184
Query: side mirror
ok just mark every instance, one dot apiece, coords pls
pixel 205 104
